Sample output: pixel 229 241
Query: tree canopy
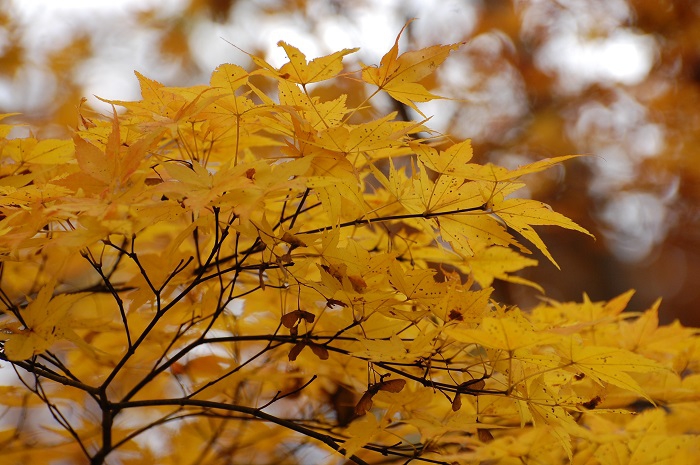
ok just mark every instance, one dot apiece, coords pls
pixel 265 269
pixel 614 79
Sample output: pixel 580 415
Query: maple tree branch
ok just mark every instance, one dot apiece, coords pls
pixel 39 370
pixel 220 237
pixel 279 396
pixel 160 421
pixel 462 388
pixel 120 303
pixel 365 221
pixel 372 304
pixel 299 210
pixel 356 222
pixel 57 414
pixel 254 412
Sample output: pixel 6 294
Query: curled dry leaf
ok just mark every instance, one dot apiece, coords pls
pixel 292 240
pixel 358 284
pixel 591 404
pixel 335 302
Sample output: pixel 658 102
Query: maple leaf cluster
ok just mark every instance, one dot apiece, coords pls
pixel 261 274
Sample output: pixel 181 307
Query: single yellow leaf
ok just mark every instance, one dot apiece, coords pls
pixel 319 69
pixel 451 161
pixel 498 262
pixel 45 321
pixel 503 333
pixel 607 364
pixel 52 152
pixel 398 75
pixel 521 214
pixel 361 432
pixel 229 77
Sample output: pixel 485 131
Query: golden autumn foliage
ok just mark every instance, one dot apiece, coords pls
pixel 252 271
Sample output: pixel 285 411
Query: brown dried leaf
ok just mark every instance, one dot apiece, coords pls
pixel 591 404
pixel 358 284
pixel 334 302
pixel 292 240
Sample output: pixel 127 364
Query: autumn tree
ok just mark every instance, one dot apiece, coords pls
pixel 254 271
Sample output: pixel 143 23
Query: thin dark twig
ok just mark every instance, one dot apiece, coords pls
pixel 278 397
pixel 426 215
pixel 187 402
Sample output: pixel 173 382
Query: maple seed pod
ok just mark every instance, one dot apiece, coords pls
pixel 365 403
pixel 484 435
pixel 457 402
pixel 334 302
pixel 291 319
pixel 395 385
pixel 296 350
pixel 320 351
pixel 473 385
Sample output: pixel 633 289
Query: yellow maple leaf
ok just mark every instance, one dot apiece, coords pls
pixel 45 322
pixel 545 409
pixel 455 162
pixel 43 152
pixel 451 161
pixel 607 364
pixel 498 262
pixel 361 432
pixel 319 69
pixel 108 168
pixel 229 77
pixel 506 333
pixel 398 75
pixel 521 214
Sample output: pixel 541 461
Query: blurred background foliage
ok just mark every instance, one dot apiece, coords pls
pixel 618 80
